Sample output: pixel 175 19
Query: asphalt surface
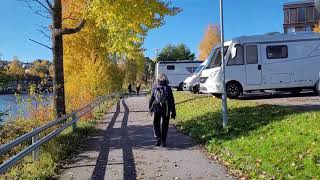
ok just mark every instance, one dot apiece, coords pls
pixel 123 147
pixel 305 101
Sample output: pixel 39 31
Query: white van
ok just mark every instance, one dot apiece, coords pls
pixel 284 62
pixel 176 71
pixel 192 83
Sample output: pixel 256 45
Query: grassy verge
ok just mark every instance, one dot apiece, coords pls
pixel 261 141
pixel 58 150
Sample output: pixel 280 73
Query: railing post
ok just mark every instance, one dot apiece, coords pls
pixel 74 125
pixel 36 152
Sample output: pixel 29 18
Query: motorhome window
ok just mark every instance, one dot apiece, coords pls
pixel 238 59
pixel 171 67
pixel 189 69
pixel 277 52
pixel 194 69
pixel 216 58
pixel 252 54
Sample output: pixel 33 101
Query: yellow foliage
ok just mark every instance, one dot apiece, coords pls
pixel 316 29
pixel 210 39
pixel 15 69
pixel 107 51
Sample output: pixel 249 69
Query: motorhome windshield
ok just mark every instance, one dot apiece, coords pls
pixel 216 58
pixel 199 69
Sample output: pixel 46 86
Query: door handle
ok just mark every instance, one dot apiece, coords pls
pixel 259 67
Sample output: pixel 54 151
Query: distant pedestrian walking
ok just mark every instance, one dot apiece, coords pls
pixel 138 86
pixel 163 106
pixel 129 88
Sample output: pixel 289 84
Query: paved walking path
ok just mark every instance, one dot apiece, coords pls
pixel 124 148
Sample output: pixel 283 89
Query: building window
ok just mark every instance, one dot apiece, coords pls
pixel 286 16
pixel 171 67
pixel 252 54
pixel 310 14
pixel 315 15
pixel 277 52
pixel 293 16
pixel 301 15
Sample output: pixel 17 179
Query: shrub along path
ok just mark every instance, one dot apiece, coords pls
pixel 123 147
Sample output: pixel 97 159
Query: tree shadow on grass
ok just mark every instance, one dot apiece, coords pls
pixel 241 121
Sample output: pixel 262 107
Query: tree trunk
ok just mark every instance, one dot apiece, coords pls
pixel 57 50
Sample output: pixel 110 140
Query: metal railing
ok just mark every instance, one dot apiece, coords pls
pixel 35 134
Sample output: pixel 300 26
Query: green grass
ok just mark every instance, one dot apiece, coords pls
pixel 57 151
pixel 261 141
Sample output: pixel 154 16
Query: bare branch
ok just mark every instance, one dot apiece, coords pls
pixel 70 31
pixel 43 14
pixel 40 44
pixel 44 6
pixel 43 30
pixel 50 5
pixel 71 16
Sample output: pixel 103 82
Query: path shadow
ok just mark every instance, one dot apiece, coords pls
pixel 129 168
pixel 102 161
pixel 198 97
pixel 110 141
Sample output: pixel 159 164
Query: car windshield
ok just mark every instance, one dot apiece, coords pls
pixel 199 69
pixel 216 58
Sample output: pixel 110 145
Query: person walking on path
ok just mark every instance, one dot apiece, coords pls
pixel 129 89
pixel 138 86
pixel 162 104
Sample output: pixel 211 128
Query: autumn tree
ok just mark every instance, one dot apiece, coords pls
pixel 53 9
pixel 40 68
pixel 108 51
pixel 15 69
pixel 211 38
pixel 175 53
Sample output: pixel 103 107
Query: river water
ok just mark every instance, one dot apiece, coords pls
pixel 15 106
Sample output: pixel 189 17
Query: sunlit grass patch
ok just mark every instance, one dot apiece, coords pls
pixel 263 141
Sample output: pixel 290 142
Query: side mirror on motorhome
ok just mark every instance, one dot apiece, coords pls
pixel 234 51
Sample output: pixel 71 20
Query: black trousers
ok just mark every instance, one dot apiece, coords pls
pixel 161 130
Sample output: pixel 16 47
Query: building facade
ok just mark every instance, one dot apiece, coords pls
pixel 300 16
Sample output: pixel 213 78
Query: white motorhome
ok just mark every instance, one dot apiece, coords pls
pixel 176 71
pixel 284 62
pixel 192 83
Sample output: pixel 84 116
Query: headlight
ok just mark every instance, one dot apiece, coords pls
pixel 213 74
pixel 203 79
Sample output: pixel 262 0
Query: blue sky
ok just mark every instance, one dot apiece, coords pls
pixel 242 17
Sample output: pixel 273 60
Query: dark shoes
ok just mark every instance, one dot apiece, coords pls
pixel 158 142
pixel 164 144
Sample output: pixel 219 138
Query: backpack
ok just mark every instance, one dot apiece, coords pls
pixel 160 98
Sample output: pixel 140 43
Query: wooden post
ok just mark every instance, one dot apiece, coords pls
pixel 74 125
pixel 36 152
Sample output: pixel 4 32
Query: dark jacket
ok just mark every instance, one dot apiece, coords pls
pixel 171 103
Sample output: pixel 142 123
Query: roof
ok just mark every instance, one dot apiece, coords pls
pixel 179 62
pixel 299 2
pixel 278 37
